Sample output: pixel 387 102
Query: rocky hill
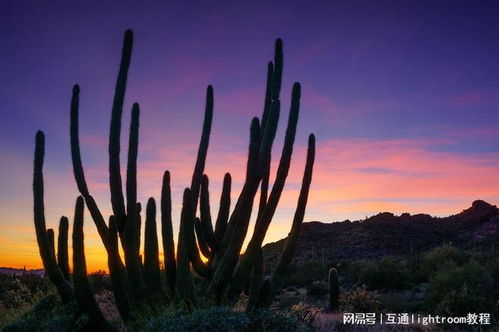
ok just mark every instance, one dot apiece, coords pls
pixel 386 234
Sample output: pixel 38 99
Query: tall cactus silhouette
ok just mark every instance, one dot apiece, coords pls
pixel 84 296
pixel 334 289
pixel 52 270
pixel 221 242
pixel 62 247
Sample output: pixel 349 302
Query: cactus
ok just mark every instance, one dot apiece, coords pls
pixel 117 271
pixel 117 200
pixel 292 240
pixel 334 289
pixel 167 233
pixel 202 150
pixel 51 238
pixel 222 245
pixel 201 240
pixel 265 217
pixel 52 270
pixel 152 275
pixel 224 209
pixel 83 292
pixel 183 278
pixel 206 225
pixel 62 247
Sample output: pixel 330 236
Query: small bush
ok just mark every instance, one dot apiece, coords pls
pixel 302 274
pixel 213 319
pixel 383 274
pixel 360 300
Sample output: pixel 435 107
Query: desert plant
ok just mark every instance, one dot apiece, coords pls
pixel 334 289
pixel 132 281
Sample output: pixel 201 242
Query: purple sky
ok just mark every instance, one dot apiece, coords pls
pixel 416 80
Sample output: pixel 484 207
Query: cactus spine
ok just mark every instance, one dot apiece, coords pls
pixel 334 289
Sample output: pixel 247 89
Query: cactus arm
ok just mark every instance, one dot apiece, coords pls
pixel 206 224
pixel 193 252
pixel 62 247
pixel 202 150
pixel 131 178
pixel 138 225
pixel 83 292
pixel 132 259
pixel 117 200
pixel 79 174
pixel 117 271
pixel 78 171
pixel 167 232
pixel 51 238
pixel 183 284
pixel 51 269
pixel 292 240
pixel 152 276
pixel 224 209
pixel 227 257
pixel 264 218
pixel 203 246
pixel 256 281
pixel 129 231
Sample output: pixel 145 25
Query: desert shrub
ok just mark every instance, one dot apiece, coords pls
pixel 99 281
pixel 460 289
pixel 317 288
pixel 305 313
pixel 441 257
pixel 36 283
pixel 278 320
pixel 304 273
pixel 213 319
pixel 46 315
pixel 386 273
pixel 360 300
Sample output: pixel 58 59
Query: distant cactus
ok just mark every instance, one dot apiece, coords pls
pixel 134 281
pixel 334 289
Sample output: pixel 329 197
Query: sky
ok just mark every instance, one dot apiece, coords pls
pixel 403 97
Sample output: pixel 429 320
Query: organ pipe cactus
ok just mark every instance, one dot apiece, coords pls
pixel 220 243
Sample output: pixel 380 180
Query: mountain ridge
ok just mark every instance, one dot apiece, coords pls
pixel 386 234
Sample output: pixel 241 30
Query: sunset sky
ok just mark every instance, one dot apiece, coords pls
pixel 403 97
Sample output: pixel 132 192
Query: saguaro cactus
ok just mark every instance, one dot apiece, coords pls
pixel 334 289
